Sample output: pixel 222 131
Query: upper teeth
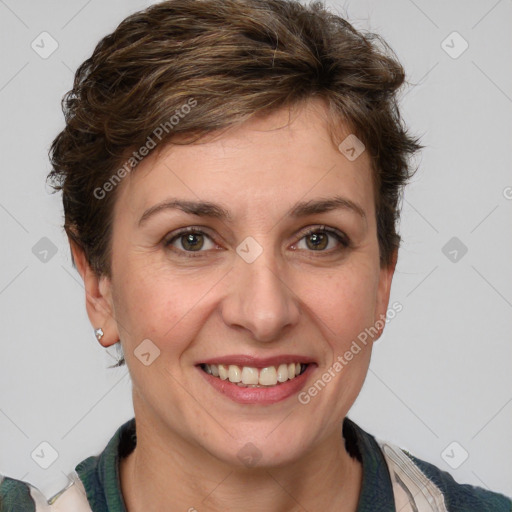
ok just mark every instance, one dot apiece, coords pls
pixel 247 375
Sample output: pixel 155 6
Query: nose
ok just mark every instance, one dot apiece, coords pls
pixel 259 299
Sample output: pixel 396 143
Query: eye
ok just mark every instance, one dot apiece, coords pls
pixel 319 238
pixel 190 240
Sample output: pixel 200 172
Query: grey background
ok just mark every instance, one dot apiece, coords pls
pixel 441 371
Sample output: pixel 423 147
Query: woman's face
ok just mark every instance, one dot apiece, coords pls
pixel 250 288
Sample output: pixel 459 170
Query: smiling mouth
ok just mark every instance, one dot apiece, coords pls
pixel 250 377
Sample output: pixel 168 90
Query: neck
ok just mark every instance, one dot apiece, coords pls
pixel 164 472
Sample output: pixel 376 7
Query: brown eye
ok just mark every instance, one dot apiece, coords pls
pixel 192 241
pixel 320 238
pixel 317 241
pixel 189 240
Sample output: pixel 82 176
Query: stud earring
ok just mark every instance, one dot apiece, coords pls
pixel 98 333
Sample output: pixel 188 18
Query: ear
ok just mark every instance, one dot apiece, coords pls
pixel 383 292
pixel 98 298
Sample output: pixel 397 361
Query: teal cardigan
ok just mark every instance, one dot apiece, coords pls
pixel 389 475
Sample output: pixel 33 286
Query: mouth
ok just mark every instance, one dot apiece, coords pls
pixel 249 376
pixel 247 380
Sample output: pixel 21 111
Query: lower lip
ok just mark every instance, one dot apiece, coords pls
pixel 264 396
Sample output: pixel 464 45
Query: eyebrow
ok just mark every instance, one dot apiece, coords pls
pixel 209 209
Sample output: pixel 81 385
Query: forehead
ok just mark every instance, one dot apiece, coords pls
pixel 275 160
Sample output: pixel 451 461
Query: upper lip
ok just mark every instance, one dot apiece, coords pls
pixel 257 362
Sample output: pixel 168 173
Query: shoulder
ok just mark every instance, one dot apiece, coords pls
pixel 15 495
pixel 21 496
pixel 94 484
pixel 417 482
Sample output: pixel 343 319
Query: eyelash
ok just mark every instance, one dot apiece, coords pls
pixel 338 235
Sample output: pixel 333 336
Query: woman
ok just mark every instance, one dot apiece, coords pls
pixel 231 172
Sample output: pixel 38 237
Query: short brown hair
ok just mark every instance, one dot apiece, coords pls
pixel 236 59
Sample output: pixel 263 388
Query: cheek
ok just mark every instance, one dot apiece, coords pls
pixel 342 301
pixel 162 306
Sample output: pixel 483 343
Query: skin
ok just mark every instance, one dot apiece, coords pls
pixel 293 298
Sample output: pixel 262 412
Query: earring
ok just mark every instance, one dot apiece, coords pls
pixel 98 333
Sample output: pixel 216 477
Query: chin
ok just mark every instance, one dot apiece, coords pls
pixel 268 449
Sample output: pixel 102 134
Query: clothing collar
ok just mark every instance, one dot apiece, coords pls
pixel 100 474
